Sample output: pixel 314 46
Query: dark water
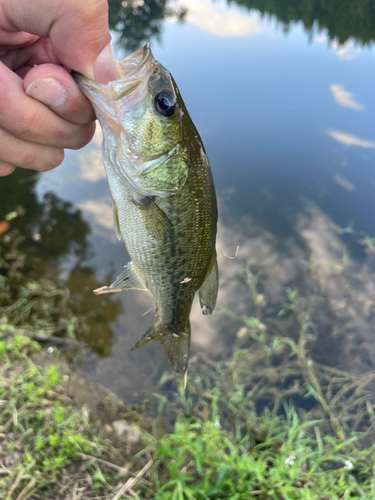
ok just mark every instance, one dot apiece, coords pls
pixel 282 94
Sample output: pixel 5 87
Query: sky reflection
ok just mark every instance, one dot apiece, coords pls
pixel 288 126
pixel 220 20
pixel 344 98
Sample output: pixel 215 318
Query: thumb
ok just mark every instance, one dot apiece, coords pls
pixel 78 31
pixel 104 69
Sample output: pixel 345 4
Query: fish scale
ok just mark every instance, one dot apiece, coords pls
pixel 164 197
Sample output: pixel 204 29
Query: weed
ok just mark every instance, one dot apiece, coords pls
pixel 41 434
pixel 270 423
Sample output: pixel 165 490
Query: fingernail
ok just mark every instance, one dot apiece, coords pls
pixel 105 68
pixel 48 91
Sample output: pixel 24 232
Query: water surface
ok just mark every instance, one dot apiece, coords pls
pixel 283 99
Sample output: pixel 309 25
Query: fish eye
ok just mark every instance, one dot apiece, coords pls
pixel 164 104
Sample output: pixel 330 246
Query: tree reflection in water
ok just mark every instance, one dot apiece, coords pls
pixel 140 21
pixel 54 233
pixel 342 20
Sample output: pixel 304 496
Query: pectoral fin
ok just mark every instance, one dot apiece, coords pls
pixel 106 289
pixel 154 218
pixel 128 279
pixel 208 291
pixel 116 223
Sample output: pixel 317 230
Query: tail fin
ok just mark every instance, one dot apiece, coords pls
pixel 176 345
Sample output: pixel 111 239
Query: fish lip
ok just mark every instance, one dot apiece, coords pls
pixel 78 77
pixel 116 87
pixel 145 52
pixel 87 82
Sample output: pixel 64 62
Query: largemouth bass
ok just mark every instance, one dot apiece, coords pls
pixel 163 196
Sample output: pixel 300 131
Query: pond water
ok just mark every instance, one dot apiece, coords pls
pixel 284 102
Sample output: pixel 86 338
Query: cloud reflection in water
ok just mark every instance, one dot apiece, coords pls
pixel 219 20
pixel 344 98
pixel 349 139
pixel 90 162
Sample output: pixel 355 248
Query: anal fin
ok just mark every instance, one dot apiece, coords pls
pixel 208 291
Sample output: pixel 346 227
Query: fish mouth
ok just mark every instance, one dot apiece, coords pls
pixel 133 70
pixel 134 62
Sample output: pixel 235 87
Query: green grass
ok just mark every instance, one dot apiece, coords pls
pixel 200 461
pixel 293 460
pixel 269 423
pixel 42 435
pixel 45 442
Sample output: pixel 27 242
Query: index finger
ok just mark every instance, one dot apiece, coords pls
pixel 78 30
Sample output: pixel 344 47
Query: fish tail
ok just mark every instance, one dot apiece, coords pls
pixel 176 343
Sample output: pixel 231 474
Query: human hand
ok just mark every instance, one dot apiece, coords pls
pixel 42 109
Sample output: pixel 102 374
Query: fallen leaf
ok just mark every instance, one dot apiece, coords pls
pixel 4 226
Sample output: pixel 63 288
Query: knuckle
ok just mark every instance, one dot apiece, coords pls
pixel 26 124
pixel 93 11
pixel 96 8
pixel 94 16
pixel 29 159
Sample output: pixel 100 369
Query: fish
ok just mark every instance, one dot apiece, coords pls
pixel 164 201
